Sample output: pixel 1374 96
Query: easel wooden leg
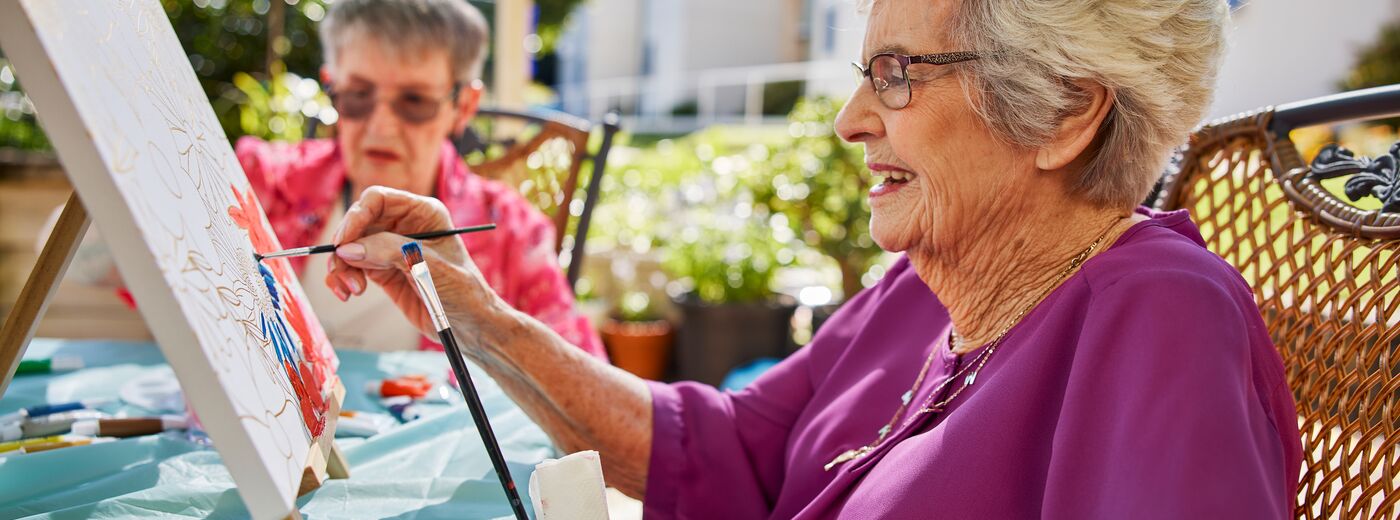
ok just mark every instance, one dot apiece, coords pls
pixel 336 466
pixel 314 474
pixel 43 282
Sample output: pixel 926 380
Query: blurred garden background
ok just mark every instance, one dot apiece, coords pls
pixel 728 202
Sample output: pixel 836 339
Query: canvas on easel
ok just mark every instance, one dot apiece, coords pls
pixel 117 96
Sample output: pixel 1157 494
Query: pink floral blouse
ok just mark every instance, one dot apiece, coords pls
pixel 298 184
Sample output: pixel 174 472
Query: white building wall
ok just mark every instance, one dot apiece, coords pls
pixel 572 48
pixel 1290 50
pixel 665 35
pixel 603 40
pixel 837 33
pixel 617 36
pixel 668 42
pixel 735 33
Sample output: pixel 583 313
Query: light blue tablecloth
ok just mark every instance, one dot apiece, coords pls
pixel 434 467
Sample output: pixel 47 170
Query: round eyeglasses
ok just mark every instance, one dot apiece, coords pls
pixel 889 73
pixel 410 106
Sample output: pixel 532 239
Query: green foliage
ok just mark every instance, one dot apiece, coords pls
pixel 18 127
pixel 780 98
pixel 279 109
pixel 688 108
pixel 636 307
pixel 228 39
pixel 725 259
pixel 1378 64
pixel 687 200
pixel 728 207
pixel 553 15
pixel 818 184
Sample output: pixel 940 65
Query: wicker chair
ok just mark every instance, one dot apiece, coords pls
pixel 542 155
pixel 1326 275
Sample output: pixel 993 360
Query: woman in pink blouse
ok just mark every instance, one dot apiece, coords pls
pixel 403 77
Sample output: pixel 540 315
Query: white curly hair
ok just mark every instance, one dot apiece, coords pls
pixel 1157 58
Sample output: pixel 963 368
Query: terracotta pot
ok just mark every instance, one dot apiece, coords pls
pixel 642 348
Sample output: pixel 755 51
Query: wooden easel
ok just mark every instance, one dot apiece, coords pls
pixel 325 460
pixel 40 287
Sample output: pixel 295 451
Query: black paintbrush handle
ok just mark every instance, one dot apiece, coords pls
pixel 448 232
pixel 329 248
pixel 488 437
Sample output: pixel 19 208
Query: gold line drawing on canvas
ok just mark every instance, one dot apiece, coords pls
pixel 176 174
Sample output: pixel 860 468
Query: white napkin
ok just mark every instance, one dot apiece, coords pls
pixel 156 390
pixel 570 488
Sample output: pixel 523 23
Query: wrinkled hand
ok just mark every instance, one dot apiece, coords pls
pixel 369 246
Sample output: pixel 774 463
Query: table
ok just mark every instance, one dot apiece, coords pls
pixel 434 467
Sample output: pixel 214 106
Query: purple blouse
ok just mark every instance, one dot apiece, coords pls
pixel 1145 386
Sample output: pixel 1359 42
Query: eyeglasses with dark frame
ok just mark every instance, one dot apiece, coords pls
pixel 889 73
pixel 410 107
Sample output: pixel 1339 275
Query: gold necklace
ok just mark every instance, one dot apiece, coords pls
pixel 980 361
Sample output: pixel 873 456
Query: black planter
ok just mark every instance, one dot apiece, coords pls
pixel 714 339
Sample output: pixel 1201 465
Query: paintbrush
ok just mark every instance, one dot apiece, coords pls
pixel 327 248
pixel 423 279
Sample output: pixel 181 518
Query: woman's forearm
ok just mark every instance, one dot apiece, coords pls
pixel 580 402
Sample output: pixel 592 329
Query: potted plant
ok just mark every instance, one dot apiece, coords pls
pixel 638 338
pixel 687 203
pixel 818 183
pixel 729 315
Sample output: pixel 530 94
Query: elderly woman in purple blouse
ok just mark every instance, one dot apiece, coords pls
pixel 1044 348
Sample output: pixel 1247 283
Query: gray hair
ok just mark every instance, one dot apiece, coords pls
pixel 1157 59
pixel 411 25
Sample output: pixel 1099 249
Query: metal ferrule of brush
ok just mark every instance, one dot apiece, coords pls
pixel 300 251
pixel 423 279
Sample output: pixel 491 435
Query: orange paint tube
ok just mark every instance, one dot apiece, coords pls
pixel 415 386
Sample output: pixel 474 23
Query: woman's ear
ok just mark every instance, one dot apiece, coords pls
pixel 468 102
pixel 1079 129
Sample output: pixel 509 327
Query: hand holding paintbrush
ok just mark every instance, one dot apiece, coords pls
pixel 427 291
pixel 368 252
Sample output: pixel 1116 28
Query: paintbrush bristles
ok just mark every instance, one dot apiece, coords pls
pixel 412 253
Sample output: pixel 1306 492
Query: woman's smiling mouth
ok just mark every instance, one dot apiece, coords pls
pixel 892 178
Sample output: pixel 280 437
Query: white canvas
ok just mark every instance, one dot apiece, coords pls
pixel 117 96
